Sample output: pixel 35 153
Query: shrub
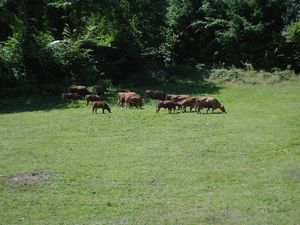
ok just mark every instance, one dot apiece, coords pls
pixel 235 75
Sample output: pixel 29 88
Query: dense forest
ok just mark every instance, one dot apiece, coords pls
pixel 84 41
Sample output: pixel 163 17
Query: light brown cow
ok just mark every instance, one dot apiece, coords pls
pixel 124 98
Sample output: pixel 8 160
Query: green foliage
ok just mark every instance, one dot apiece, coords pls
pixel 293 33
pixel 236 75
pixel 11 66
pixel 68 62
pixel 164 32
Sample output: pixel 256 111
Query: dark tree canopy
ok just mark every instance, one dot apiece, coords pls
pixel 64 41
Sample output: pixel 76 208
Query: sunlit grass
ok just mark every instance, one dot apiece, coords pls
pixel 141 167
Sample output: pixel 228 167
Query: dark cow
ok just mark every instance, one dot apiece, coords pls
pixel 135 100
pixel 100 104
pixel 155 94
pixel 170 105
pixel 92 98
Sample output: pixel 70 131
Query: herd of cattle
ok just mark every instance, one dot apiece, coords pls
pixel 127 98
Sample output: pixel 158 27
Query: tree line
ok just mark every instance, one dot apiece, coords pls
pixel 63 41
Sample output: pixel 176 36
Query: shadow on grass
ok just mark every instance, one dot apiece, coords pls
pixel 47 103
pixel 34 103
pixel 183 87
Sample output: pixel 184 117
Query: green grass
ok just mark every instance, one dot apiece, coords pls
pixel 140 167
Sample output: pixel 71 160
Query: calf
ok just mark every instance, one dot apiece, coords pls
pixel 101 104
pixel 92 98
pixel 170 105
pixel 209 103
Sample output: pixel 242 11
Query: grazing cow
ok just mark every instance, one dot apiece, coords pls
pixel 92 98
pixel 135 100
pixel 177 99
pixel 101 104
pixel 170 105
pixel 155 94
pixel 188 102
pixel 99 89
pixel 209 103
pixel 70 96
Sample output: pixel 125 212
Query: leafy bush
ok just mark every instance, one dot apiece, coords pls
pixel 67 61
pixel 250 76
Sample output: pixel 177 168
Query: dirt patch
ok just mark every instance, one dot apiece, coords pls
pixel 293 174
pixel 29 178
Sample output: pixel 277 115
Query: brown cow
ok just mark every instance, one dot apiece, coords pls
pixel 123 97
pixel 155 94
pixel 135 100
pixel 101 104
pixel 120 96
pixel 188 102
pixel 177 99
pixel 92 98
pixel 209 103
pixel 170 105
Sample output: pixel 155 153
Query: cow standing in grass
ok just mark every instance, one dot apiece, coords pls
pixel 209 103
pixel 100 104
pixel 170 105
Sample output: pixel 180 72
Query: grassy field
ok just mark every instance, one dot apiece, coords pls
pixel 139 167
